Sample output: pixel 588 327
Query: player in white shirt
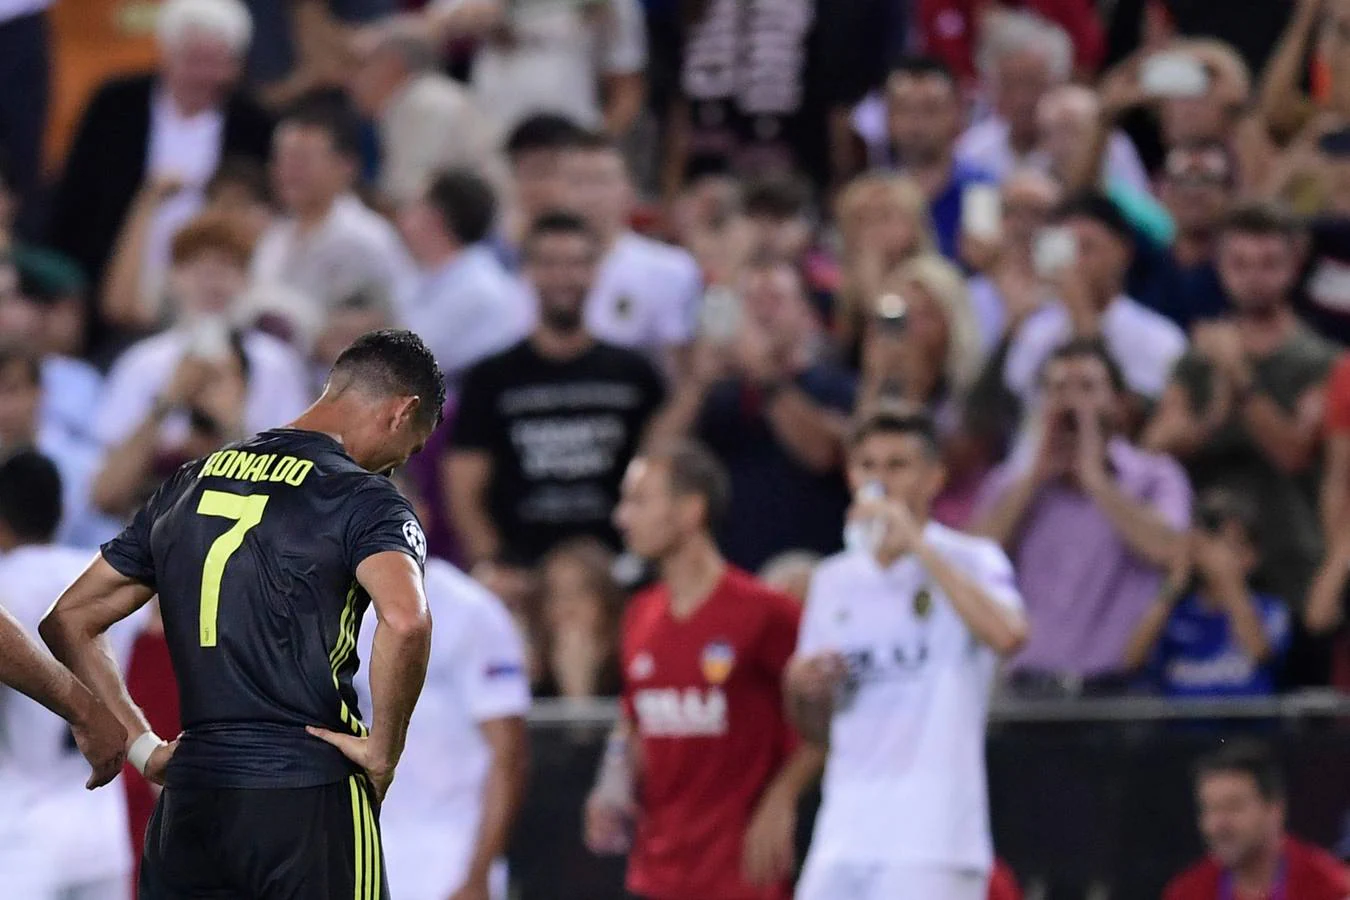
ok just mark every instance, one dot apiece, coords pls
pixel 58 841
pixel 448 815
pixel 895 663
pixel 646 294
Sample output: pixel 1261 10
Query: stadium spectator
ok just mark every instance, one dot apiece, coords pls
pixel 1240 802
pixel 1198 185
pixel 1088 284
pixel 1121 508
pixel 1325 611
pixel 61 840
pixel 544 429
pixel 646 293
pixel 765 399
pixel 330 245
pixel 1022 57
pixel 1244 406
pixel 177 123
pixel 892 672
pixel 187 390
pixel 1005 289
pixel 923 105
pixel 1208 633
pixel 1324 299
pixel 883 221
pixel 534 150
pixel 427 122
pixel 954 30
pixel 445 828
pixel 578 655
pixel 465 305
pixel 714 796
pixel 24 424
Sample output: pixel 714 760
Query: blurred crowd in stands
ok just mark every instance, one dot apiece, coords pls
pixel 1110 255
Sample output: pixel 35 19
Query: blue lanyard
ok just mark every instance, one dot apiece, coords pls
pixel 1227 892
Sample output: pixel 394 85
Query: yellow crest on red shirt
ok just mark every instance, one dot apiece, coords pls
pixel 717 661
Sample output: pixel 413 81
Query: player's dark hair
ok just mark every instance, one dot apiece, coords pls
pixel 542 131
pixel 923 67
pixel 776 197
pixel 15 353
pixel 1087 348
pixel 905 423
pixel 594 142
pixel 1245 757
pixel 332 115
pixel 1096 206
pixel 30 496
pixel 557 222
pixel 396 363
pixel 694 471
pixel 465 203
pixel 1258 219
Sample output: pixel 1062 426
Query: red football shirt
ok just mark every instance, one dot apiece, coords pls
pixel 704 695
pixel 1311 874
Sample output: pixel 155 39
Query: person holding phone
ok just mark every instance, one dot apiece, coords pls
pixel 1083 260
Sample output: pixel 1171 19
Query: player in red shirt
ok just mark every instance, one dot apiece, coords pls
pixel 1241 798
pixel 702 761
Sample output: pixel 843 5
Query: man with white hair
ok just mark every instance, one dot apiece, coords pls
pixel 428 122
pixel 177 123
pixel 1021 57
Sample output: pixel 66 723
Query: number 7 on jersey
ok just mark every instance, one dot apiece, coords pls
pixel 246 511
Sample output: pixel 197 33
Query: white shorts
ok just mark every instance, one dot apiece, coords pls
pixel 880 881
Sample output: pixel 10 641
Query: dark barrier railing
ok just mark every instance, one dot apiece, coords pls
pixel 1089 797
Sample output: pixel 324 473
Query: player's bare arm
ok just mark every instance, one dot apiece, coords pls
pixel 503 792
pixel 612 805
pixel 771 838
pixel 398 664
pixel 26 668
pixel 74 630
pixel 809 684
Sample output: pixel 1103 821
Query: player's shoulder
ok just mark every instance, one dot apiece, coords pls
pixel 965 548
pixel 1199 881
pixel 1316 868
pixel 644 253
pixel 747 589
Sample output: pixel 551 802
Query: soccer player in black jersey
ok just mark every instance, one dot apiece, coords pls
pixel 265 556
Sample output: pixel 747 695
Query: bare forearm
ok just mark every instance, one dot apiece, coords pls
pixel 503 792
pixel 812 434
pixel 678 417
pixel 1335 488
pixel 1147 633
pixel 1280 437
pixel 626 94
pixel 1001 523
pixel 1246 619
pixel 118 484
pixel 801 770
pixel 1324 612
pixel 123 290
pixel 27 669
pixel 810 716
pixel 1279 89
pixel 86 653
pixel 398 667
pixel 1143 530
pixel 992 624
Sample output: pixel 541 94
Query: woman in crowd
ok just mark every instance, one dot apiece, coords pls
pixel 576 651
pixel 883 220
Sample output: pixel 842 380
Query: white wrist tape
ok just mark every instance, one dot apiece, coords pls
pixel 138 754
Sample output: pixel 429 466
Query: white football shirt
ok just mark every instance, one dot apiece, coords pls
pixel 42 775
pixel 646 295
pixel 476 673
pixel 905 779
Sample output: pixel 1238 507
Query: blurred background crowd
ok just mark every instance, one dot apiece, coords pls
pixel 739 220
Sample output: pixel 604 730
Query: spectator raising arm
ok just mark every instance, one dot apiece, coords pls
pixel 1280 102
pixel 1324 611
pixel 127 301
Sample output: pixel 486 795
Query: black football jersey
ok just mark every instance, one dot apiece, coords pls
pixel 253 551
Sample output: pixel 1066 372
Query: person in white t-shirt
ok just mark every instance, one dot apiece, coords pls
pixel 894 666
pixel 58 841
pixel 448 815
pixel 646 294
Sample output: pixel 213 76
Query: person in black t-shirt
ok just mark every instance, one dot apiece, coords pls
pixel 544 430
pixel 265 556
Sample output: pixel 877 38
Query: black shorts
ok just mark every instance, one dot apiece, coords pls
pixel 316 843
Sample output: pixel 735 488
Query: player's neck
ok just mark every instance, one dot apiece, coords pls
pixel 323 417
pixel 691 573
pixel 1255 876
